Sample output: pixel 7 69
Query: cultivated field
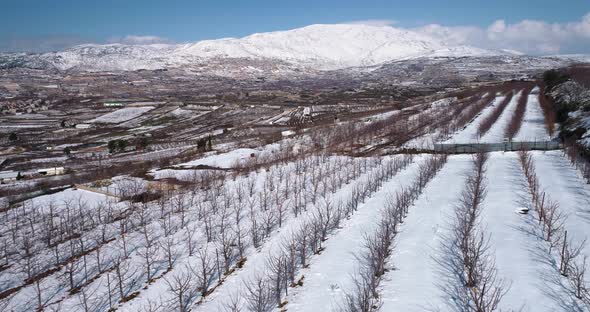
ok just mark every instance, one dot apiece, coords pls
pixel 349 214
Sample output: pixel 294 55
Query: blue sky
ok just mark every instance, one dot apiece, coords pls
pixel 27 23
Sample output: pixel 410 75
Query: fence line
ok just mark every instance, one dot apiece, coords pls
pixel 458 148
pixel 96 190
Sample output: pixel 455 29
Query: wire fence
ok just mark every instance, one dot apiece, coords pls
pixel 511 146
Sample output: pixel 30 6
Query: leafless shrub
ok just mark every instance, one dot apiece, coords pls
pixel 489 289
pixel 577 274
pixel 360 298
pixel 553 222
pixel 549 113
pixel 569 251
pixel 574 151
pixel 479 277
pixel 518 115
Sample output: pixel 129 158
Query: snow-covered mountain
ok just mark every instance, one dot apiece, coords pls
pixel 327 46
pixel 322 47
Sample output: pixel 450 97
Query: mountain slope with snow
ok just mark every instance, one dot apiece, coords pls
pixel 323 47
pixel 330 46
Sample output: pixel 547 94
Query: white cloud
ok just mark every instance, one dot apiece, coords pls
pixel 528 36
pixel 138 40
pixel 456 35
pixel 373 22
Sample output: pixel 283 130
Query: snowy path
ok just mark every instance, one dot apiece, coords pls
pixel 414 284
pixel 563 184
pixel 329 273
pixel 533 125
pixel 520 255
pixel 496 133
pixel 469 133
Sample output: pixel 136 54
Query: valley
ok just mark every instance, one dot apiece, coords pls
pixel 270 173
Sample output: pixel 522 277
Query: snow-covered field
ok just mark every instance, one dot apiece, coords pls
pixel 518 253
pixel 326 279
pixel 121 115
pixel 415 261
pixel 292 234
pixel 563 183
pixel 533 125
pixel 470 134
pixel 532 129
pixel 224 160
pixel 496 133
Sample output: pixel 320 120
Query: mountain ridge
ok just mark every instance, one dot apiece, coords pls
pixel 319 46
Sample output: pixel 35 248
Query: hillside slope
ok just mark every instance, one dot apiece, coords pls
pixel 323 47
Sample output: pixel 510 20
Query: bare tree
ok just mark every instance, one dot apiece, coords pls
pixel 152 306
pixel 577 278
pixel 553 222
pixel 150 249
pixel 233 304
pixel 259 295
pixel 71 268
pixel 180 285
pixel 277 265
pixel 126 277
pixel 480 278
pixel 189 235
pixel 360 298
pixel 302 238
pixel 281 208
pixel 569 251
pixel 87 300
pixel 203 271
pixel 255 227
pixel 169 246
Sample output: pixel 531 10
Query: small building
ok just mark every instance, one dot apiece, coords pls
pixel 51 171
pixel 8 176
pixel 113 104
pixel 288 133
pixel 83 126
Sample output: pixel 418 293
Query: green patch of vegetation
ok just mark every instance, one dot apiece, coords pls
pixel 553 78
pixel 12 137
pixel 117 146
